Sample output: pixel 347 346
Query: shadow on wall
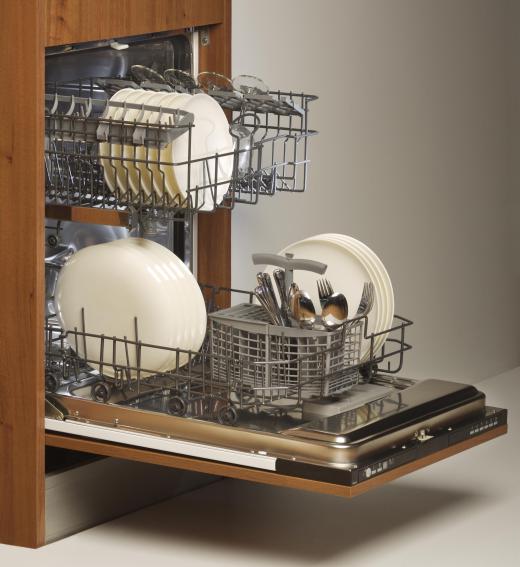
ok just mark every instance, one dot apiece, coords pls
pixel 304 527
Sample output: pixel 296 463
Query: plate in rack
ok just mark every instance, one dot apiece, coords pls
pixel 111 152
pixel 349 266
pixel 117 283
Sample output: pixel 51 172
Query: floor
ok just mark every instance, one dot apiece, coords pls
pixel 463 511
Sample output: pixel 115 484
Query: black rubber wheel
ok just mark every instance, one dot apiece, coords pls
pixel 368 371
pixel 53 240
pixel 52 381
pixel 206 406
pixel 177 406
pixel 228 415
pixel 101 392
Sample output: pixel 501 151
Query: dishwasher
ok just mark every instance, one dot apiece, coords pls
pixel 297 402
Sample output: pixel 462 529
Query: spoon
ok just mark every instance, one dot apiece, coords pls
pixel 334 312
pixel 302 309
pixel 293 288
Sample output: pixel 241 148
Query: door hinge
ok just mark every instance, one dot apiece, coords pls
pixel 204 37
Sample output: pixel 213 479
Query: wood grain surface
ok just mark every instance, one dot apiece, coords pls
pixel 22 274
pixel 76 21
pixel 27 27
pixel 257 475
pixel 214 229
pixel 90 215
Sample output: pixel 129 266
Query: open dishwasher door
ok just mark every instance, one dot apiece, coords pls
pixel 404 426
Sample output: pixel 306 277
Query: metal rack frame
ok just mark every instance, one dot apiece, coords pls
pixel 270 153
pixel 198 388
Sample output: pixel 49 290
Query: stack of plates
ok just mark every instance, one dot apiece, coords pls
pixel 350 264
pixel 118 282
pixel 133 169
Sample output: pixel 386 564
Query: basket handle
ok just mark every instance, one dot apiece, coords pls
pixel 288 263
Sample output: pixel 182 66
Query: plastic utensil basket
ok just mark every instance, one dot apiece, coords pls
pixel 273 362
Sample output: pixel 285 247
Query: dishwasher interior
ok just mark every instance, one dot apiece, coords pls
pixel 300 403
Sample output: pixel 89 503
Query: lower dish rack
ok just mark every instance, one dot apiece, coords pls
pixel 376 423
pixel 245 367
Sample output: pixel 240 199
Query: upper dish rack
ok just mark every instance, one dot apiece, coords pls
pixel 95 160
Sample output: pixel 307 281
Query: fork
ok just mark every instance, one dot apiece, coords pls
pixel 324 290
pixel 367 301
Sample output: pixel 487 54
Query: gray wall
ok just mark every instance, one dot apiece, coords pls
pixel 413 157
pixel 514 75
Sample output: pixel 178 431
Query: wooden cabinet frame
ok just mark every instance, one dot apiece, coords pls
pixel 27 28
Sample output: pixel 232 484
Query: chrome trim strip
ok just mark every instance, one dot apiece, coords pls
pixel 158 443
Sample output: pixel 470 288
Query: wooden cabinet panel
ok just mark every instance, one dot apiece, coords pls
pixel 22 278
pixel 27 27
pixel 76 21
pixel 214 229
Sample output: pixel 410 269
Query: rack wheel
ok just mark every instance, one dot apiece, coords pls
pixel 52 381
pixel 101 392
pixel 227 415
pixel 53 240
pixel 368 371
pixel 177 406
pixel 206 406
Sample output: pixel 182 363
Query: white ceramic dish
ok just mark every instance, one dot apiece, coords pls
pixel 379 309
pixel 132 153
pixel 111 167
pixel 383 275
pixel 195 306
pixel 209 136
pixel 347 271
pixel 123 280
pixel 150 170
pixel 151 176
pixel 166 178
pixel 185 292
pixel 384 296
pixel 350 264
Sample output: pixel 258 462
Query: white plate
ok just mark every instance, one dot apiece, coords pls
pixel 195 306
pixel 381 280
pixel 379 309
pixel 384 296
pixel 382 274
pixel 112 150
pixel 151 176
pixel 150 171
pixel 131 153
pixel 188 299
pixel 209 136
pixel 115 283
pixel 347 270
pixel 166 178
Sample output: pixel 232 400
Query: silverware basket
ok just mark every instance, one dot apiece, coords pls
pixel 281 363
